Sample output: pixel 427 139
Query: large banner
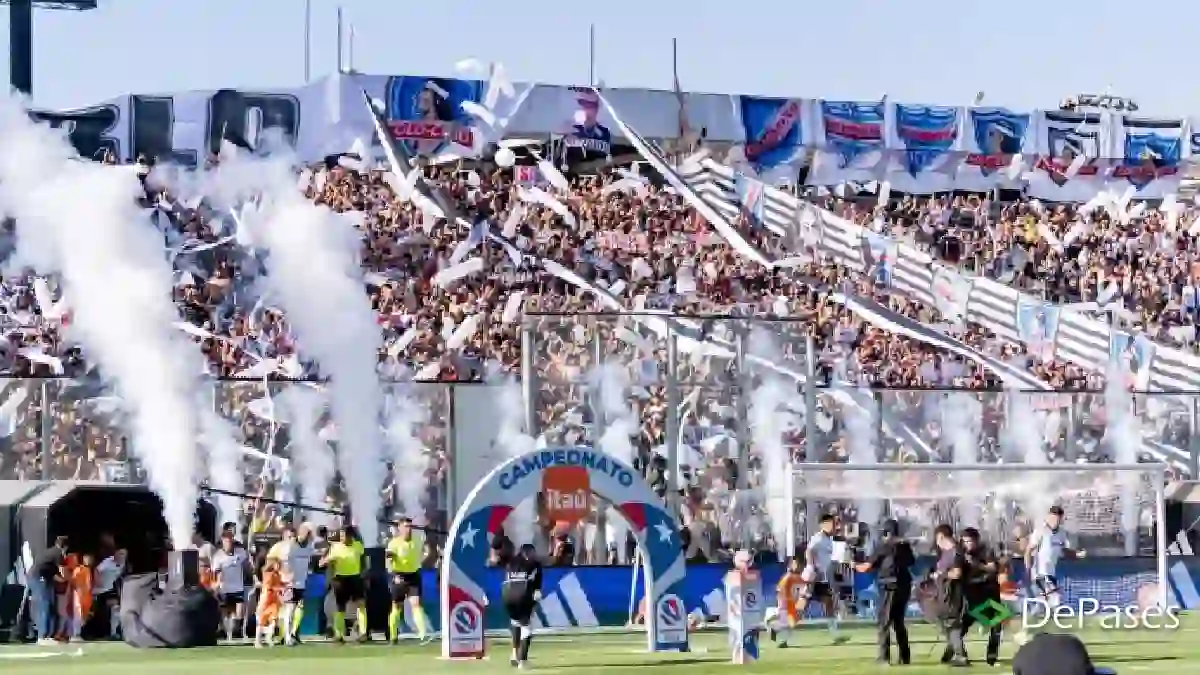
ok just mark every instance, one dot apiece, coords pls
pixel 774 130
pixel 1062 138
pixel 851 142
pixel 1149 154
pixel 925 138
pixel 917 148
pixel 427 115
pixel 991 138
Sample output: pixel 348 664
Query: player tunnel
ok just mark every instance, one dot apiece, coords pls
pixel 84 512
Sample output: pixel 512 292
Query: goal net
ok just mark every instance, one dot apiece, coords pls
pixel 1112 511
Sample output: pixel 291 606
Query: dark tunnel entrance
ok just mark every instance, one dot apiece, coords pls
pixel 85 513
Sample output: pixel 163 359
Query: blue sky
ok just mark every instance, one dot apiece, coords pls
pixel 1022 53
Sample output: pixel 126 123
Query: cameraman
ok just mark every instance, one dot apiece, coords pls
pixel 892 561
pixel 981 585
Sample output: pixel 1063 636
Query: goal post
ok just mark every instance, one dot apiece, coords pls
pixel 1116 510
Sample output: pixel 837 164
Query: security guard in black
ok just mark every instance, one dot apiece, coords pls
pixel 892 562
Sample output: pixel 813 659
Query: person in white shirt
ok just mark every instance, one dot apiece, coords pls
pixel 818 575
pixel 1047 545
pixel 295 553
pixel 107 590
pixel 231 566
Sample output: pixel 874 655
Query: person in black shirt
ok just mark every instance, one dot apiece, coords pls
pixel 520 594
pixel 891 561
pixel 948 574
pixel 46 570
pixel 982 585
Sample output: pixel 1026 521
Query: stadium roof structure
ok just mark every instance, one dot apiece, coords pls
pixel 70 5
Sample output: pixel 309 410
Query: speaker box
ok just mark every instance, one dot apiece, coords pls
pixel 183 569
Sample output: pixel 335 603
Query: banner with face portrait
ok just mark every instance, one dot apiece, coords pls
pixel 991 138
pixel 426 113
pixel 1062 137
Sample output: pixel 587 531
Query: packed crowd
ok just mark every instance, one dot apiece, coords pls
pixel 1137 259
pixel 647 249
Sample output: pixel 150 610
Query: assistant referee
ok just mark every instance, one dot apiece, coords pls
pixel 404 554
pixel 347 559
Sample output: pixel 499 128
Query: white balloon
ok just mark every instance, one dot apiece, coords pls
pixel 505 158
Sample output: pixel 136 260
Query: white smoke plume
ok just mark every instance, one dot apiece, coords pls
pixel 79 220
pixel 405 415
pixel 1123 436
pixel 313 269
pixel 962 419
pixel 224 463
pixel 1023 442
pixel 312 458
pixel 862 434
pixel 515 441
pixel 620 424
pixel 769 419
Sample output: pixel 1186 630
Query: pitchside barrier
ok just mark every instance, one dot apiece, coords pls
pixel 593 597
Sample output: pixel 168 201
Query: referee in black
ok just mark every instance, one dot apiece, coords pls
pixel 520 594
pixel 891 561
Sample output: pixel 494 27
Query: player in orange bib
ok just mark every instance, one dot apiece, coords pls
pixel 269 603
pixel 790 597
pixel 80 586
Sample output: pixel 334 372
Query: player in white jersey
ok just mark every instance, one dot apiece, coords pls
pixel 818 575
pixel 231 565
pixel 294 553
pixel 1047 545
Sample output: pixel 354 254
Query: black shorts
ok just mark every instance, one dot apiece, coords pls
pixel 348 589
pixel 107 597
pixel 405 585
pixel 819 590
pixel 1046 585
pixel 520 609
pixel 231 600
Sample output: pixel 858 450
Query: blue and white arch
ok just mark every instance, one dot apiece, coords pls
pixel 494 498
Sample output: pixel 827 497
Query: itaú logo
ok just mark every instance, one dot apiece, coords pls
pixel 568 492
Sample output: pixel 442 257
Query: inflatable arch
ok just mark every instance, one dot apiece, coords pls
pixel 493 499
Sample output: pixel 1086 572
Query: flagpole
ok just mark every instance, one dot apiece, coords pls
pixel 339 40
pixel 592 55
pixel 307 41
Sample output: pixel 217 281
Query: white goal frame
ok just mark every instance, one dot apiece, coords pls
pixel 1156 470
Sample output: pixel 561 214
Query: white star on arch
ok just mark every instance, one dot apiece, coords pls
pixel 665 532
pixel 468 536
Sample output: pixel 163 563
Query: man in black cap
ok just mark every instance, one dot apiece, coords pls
pixel 1055 654
pixel 981 588
pixel 892 561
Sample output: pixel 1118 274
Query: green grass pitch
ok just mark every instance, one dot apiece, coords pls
pixel 1137 652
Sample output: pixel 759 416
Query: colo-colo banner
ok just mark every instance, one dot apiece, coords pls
pixel 914 147
pixel 587 597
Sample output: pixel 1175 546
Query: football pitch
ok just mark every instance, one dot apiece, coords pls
pixel 1141 652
